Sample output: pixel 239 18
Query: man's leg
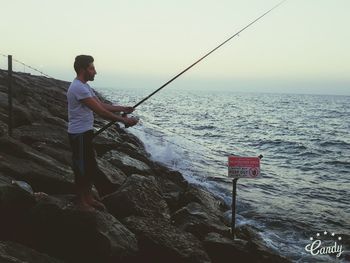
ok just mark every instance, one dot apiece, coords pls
pixel 102 183
pixel 82 182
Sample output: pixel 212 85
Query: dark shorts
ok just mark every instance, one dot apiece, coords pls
pixel 84 163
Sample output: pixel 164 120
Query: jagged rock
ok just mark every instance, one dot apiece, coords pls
pixel 20 115
pixel 213 203
pixel 15 204
pixel 11 252
pixel 114 174
pixel 140 196
pixel 171 175
pixel 127 164
pixel 171 193
pixel 41 171
pixel 134 151
pixel 52 135
pixel 103 144
pixel 222 249
pixel 3 127
pixel 161 242
pixel 248 232
pixel 77 236
pixel 196 219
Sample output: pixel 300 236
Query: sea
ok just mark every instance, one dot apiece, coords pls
pixel 300 203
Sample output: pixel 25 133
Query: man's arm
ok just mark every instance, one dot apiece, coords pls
pixel 115 108
pixel 98 108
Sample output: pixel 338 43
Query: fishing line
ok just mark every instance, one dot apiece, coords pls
pixel 192 65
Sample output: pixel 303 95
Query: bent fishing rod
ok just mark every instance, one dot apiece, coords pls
pixel 192 65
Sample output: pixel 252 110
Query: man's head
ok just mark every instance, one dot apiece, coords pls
pixel 84 67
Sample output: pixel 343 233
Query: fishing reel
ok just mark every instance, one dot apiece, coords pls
pixel 131 116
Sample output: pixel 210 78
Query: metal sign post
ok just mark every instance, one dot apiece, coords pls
pixel 241 167
pixel 10 95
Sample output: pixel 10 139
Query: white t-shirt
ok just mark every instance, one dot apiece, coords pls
pixel 80 117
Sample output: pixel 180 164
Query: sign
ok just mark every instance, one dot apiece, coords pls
pixel 243 167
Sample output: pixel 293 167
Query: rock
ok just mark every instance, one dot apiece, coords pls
pixel 11 252
pixel 3 127
pixel 114 174
pixel 171 193
pixel 41 171
pixel 15 204
pixel 213 203
pixel 139 196
pixel 52 135
pixel 161 242
pixel 103 144
pixel 196 219
pixel 20 115
pixel 127 164
pixel 222 249
pixel 248 232
pixel 72 235
pixel 171 175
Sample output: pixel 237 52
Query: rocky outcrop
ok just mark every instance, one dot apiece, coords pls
pixel 154 214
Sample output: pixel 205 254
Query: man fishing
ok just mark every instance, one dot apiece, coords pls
pixel 82 103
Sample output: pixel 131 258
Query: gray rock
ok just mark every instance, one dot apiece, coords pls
pixel 15 204
pixel 199 221
pixel 11 252
pixel 114 174
pixel 20 114
pixel 73 235
pixel 222 249
pixel 127 164
pixel 49 134
pixel 161 242
pixel 207 199
pixel 140 196
pixel 41 171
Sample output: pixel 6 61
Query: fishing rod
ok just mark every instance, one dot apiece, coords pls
pixel 192 65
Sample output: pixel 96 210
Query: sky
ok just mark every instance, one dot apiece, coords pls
pixel 300 47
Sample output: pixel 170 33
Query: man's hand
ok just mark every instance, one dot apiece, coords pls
pixel 128 110
pixel 130 121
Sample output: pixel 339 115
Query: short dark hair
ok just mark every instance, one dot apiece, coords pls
pixel 82 62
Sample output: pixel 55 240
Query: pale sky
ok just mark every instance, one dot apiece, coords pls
pixel 301 47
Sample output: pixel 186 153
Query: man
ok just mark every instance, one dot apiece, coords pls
pixel 82 102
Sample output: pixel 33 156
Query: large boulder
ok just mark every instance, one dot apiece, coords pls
pixel 126 163
pixel 73 235
pixel 20 115
pixel 15 204
pixel 41 171
pixel 225 250
pixel 199 221
pixel 139 196
pixel 207 199
pixel 161 242
pixel 55 136
pixel 11 252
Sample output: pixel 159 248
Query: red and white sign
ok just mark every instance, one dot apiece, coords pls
pixel 243 167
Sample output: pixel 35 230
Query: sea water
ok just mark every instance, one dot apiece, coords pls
pixel 303 190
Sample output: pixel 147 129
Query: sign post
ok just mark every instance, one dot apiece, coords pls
pixel 10 95
pixel 241 167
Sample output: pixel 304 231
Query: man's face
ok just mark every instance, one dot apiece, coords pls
pixel 90 72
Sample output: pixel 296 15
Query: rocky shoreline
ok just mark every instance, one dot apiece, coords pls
pixel 154 216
